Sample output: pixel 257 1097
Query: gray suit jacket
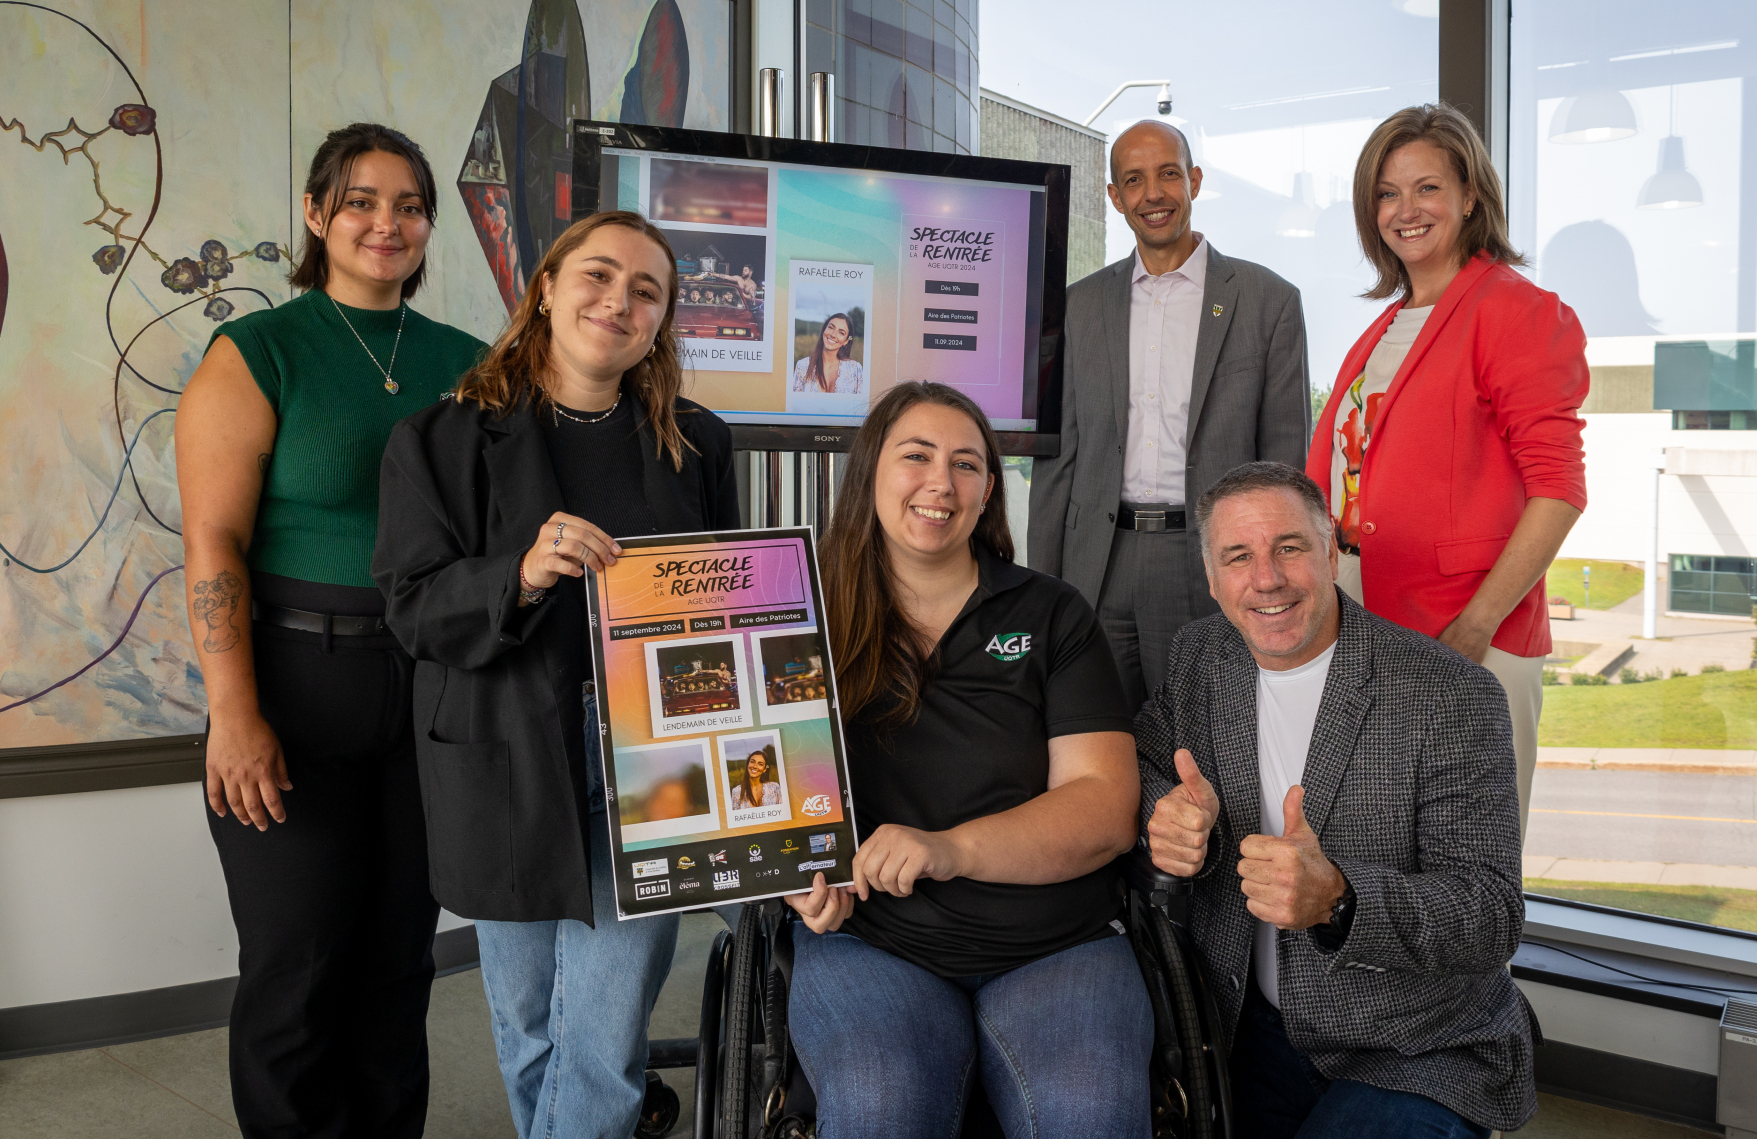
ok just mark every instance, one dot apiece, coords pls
pixel 1409 784
pixel 1248 401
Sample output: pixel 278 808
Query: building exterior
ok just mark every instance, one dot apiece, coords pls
pixel 906 73
pixel 1688 406
pixel 1011 129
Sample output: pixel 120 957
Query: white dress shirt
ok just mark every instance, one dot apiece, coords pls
pixel 1165 313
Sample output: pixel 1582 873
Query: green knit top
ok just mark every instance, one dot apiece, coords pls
pixel 318 517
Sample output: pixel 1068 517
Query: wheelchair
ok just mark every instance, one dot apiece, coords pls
pixel 749 1083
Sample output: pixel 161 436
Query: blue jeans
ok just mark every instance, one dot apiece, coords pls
pixel 1061 1045
pixel 569 1005
pixel 1278 1094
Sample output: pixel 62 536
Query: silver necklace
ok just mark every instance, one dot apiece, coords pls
pixel 556 407
pixel 390 385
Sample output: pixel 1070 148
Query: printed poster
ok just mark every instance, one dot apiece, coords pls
pixel 723 757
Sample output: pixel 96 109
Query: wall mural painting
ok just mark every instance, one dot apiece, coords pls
pixel 517 176
pixel 146 194
pixel 95 647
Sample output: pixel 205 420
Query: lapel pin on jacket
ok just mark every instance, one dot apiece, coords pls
pixel 1218 310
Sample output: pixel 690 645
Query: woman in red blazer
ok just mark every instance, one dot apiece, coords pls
pixel 1450 449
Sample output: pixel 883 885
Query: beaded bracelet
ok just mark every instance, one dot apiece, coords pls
pixel 529 593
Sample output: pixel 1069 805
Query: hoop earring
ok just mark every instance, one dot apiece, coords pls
pixel 652 348
pixel 543 306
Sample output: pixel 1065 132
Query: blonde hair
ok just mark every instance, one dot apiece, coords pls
pixel 516 367
pixel 1485 230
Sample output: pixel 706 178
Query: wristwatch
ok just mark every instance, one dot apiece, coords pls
pixel 1342 912
pixel 1329 936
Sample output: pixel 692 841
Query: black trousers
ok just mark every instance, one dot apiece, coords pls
pixel 335 919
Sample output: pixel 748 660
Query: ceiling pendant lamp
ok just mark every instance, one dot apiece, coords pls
pixel 1602 114
pixel 1301 218
pixel 1672 186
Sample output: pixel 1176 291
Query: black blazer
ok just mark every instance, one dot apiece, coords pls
pixel 497 711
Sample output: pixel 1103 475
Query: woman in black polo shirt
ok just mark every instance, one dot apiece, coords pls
pixel 994 778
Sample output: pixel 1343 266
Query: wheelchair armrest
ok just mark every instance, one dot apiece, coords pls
pixel 1142 875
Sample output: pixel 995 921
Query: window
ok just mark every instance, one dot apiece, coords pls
pixel 1714 421
pixel 1276 137
pixel 1709 584
pixel 1631 128
pixel 906 72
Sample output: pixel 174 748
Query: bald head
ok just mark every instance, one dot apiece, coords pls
pixel 1165 130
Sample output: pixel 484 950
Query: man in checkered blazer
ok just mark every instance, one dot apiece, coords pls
pixel 1342 791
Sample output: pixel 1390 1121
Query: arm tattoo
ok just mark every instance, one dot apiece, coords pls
pixel 216 603
pixel 262 463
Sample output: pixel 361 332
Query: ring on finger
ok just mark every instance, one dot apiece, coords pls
pixel 555 545
pixel 560 528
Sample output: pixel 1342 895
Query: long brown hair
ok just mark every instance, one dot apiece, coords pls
pixel 1445 127
pixel 876 650
pixel 517 367
pixel 815 369
pixel 331 168
pixel 753 788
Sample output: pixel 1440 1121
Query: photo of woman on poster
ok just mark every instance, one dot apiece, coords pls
pixel 830 367
pixel 756 778
pixel 829 363
pixel 757 788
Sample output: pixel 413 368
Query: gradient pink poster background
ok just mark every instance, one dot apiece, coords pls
pixel 638 591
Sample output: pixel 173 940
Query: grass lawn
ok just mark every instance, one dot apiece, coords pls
pixel 1710 905
pixel 1612 582
pixel 1715 710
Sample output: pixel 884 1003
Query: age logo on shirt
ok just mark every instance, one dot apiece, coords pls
pixel 1008 646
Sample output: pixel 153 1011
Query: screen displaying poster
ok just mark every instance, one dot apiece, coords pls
pixel 723 756
pixel 807 292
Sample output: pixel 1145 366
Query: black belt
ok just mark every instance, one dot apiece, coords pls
pixel 326 623
pixel 1149 516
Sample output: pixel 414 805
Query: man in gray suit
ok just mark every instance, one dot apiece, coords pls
pixel 1342 791
pixel 1178 364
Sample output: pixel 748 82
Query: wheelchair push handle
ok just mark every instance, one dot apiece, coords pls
pixel 1156 884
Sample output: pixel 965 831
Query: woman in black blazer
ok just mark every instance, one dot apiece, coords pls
pixel 492 505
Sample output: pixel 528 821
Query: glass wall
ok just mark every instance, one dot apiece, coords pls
pixel 1633 188
pixel 906 72
pixel 1276 106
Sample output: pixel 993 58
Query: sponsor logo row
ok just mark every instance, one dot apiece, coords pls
pixel 652 876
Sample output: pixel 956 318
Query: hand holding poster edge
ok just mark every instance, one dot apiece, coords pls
pixel 729 613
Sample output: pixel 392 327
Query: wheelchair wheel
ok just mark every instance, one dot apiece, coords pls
pixel 1198 1091
pixel 743 1006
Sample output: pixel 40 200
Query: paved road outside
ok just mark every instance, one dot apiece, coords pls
pixel 1643 817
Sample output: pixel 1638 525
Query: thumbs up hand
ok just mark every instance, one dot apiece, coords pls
pixel 1177 834
pixel 1287 881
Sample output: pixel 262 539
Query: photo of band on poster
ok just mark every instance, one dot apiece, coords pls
pixel 723 755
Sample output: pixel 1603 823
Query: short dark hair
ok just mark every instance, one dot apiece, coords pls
pixel 1182 138
pixel 330 168
pixel 1262 475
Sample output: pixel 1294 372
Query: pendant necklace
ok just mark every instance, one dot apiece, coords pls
pixel 390 385
pixel 556 407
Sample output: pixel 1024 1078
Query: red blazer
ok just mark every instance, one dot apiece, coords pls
pixel 1481 416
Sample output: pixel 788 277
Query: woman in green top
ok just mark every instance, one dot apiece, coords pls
pixel 310 738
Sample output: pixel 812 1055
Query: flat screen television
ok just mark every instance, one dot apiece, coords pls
pixel 814 276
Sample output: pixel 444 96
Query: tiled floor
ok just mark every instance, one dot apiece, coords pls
pixel 176 1088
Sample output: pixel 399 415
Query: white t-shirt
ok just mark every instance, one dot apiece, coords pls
pixel 1287 711
pixel 1355 420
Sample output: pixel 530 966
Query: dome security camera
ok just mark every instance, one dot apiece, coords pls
pixel 1165 100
